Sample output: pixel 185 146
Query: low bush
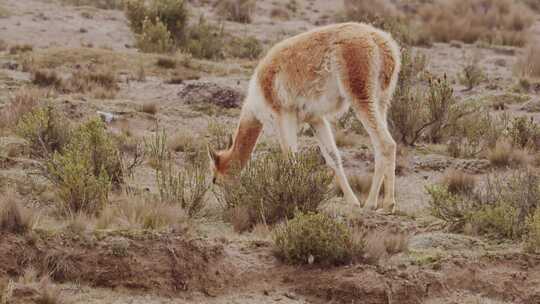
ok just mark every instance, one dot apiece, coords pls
pixel 187 187
pixel 13 217
pixel 46 78
pixel 206 40
pixel 504 155
pixel 21 103
pixel 154 37
pixel 248 48
pixel 471 76
pixel 85 170
pixel 524 132
pixel 237 10
pixel 45 130
pixel 316 238
pixel 273 187
pixel 172 15
pixel 501 208
pixel 458 182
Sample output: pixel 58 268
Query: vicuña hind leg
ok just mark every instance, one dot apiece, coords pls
pixel 288 133
pixel 384 149
pixel 330 152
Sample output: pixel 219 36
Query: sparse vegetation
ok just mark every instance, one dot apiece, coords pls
pixel 206 41
pixel 22 102
pixel 273 187
pixel 46 78
pixel 237 10
pixel 249 48
pixel 458 182
pixel 504 155
pixel 102 4
pixel 149 108
pixel 316 238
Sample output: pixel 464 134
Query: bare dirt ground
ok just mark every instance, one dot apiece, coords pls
pixel 221 266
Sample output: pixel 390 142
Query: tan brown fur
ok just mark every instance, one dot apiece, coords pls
pixel 314 77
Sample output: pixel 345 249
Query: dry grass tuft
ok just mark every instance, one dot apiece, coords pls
pixel 459 182
pixel 46 78
pixel 23 101
pixel 20 48
pixel 150 108
pixel 505 155
pixel 13 217
pixel 166 63
pixel 528 63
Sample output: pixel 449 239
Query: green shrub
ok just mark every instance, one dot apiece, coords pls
pixel 249 48
pixel 101 148
pixel 499 218
pixel 315 238
pixel 205 41
pixel 237 10
pixel 273 186
pixel 45 130
pixel 78 189
pixel 173 15
pixel 154 37
pixel 85 170
pixel 157 150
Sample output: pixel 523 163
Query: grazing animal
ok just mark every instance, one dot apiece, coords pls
pixel 312 78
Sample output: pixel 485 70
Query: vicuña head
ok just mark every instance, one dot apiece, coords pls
pixel 313 78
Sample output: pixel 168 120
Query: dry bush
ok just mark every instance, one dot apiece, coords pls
pixel 382 244
pixel 45 130
pixel 20 48
pixel 13 217
pixel 46 78
pixel 166 63
pixel 141 212
pixel 524 132
pixel 150 108
pixel 239 217
pixel 102 82
pixel 417 113
pixel 237 10
pixel 316 238
pixel 186 188
pixel 22 102
pixel 343 139
pixel 458 182
pixel 496 22
pixel 476 133
pixel 272 187
pixel 533 227
pixel 504 155
pixel 472 75
pixel 501 207
pixel 528 63
pixel 102 4
pixel 156 150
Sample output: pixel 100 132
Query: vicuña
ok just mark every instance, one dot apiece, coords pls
pixel 313 78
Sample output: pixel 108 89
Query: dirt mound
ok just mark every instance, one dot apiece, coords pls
pixel 163 265
pixel 207 92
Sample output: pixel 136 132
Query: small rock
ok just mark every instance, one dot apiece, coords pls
pixel 106 117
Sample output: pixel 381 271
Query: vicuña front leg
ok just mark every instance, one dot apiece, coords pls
pixel 330 152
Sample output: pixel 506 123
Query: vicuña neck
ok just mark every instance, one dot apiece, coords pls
pixel 248 131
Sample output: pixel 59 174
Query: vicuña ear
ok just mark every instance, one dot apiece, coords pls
pixel 230 143
pixel 212 154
